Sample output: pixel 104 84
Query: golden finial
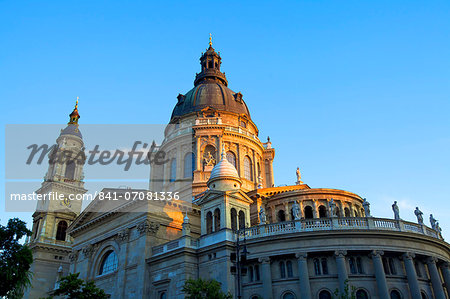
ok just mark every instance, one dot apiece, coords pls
pixel 76 104
pixel 210 40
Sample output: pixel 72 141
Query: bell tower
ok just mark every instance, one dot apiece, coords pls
pixel 61 189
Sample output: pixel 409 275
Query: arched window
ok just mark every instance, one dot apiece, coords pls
pixel 173 170
pixel 359 265
pixel 361 294
pixel 389 265
pixel 70 170
pixel 290 273
pixel 216 220
pixel 355 212
pixel 288 295
pixel 352 264
pixel 257 275
pixel 423 295
pixel 281 216
pixel 324 294
pixel 362 213
pixel 417 266
pixel 163 295
pixel 209 222
pixel 189 164
pixel 61 231
pixel 346 212
pixel 248 169
pixel 317 267
pixel 322 212
pixel 231 157
pixel 337 212
pixel 282 269
pixel 233 215
pixel 395 294
pixel 324 263
pixel 109 263
pixel 308 212
pixel 241 219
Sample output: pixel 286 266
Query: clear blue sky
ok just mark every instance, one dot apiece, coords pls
pixel 356 93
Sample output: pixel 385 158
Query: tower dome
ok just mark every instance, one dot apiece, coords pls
pixel 224 175
pixel 72 125
pixel 210 90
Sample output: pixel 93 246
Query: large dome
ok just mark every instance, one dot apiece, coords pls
pixel 210 90
pixel 213 94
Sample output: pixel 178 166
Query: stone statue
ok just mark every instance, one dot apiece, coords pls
pixel 209 159
pixel 299 177
pixel 432 222
pixel 260 185
pixel 262 216
pixel 438 228
pixel 332 207
pixel 419 216
pixel 396 211
pixel 366 206
pixel 296 211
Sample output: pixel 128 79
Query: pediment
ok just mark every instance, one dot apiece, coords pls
pixel 211 195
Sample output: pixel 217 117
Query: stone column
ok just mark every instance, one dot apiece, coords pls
pixel 303 275
pixel 266 277
pixel 446 274
pixel 435 279
pixel 287 212
pixel 315 212
pixel 198 154
pixel 379 274
pixel 412 275
pixel 302 213
pixel 342 268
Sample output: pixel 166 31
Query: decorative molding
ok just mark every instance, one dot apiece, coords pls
pixel 376 253
pixel 264 260
pixel 301 255
pixel 431 260
pixel 73 256
pixel 148 227
pixel 408 255
pixel 88 250
pixel 123 235
pixel 340 253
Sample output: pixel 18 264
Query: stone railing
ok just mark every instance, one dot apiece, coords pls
pixel 186 242
pixel 321 224
pixel 208 121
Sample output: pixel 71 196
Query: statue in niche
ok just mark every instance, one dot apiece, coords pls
pixel 332 207
pixel 262 216
pixel 396 211
pixel 419 215
pixel 296 211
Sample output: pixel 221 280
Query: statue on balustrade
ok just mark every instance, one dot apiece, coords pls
pixel 396 211
pixel 366 206
pixel 262 216
pixel 296 211
pixel 438 230
pixel 332 207
pixel 419 215
pixel 299 177
pixel 432 222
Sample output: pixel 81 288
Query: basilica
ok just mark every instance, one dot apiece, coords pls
pixel 231 223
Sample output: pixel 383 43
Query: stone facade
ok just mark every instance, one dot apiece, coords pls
pixel 313 241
